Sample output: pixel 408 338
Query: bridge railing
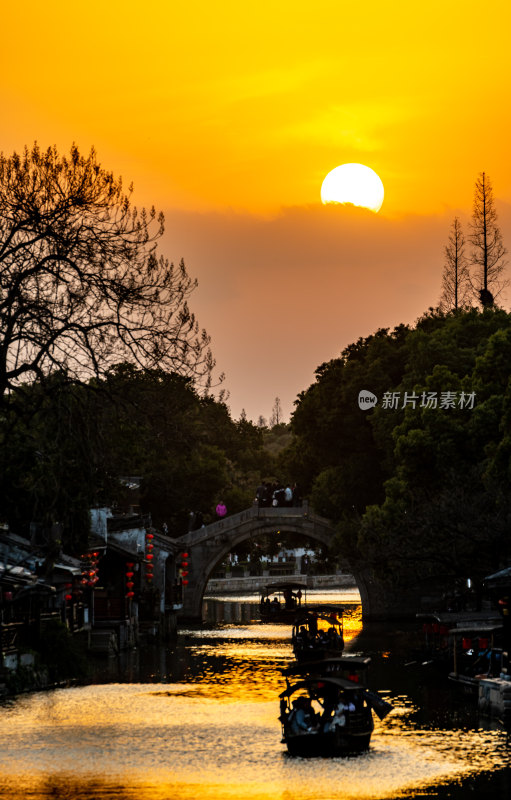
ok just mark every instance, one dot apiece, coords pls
pixel 234 520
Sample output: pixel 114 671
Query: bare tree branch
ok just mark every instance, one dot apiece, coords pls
pixel 82 286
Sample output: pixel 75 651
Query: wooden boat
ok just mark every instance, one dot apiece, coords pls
pixel 444 635
pixel 476 654
pixel 318 633
pixel 280 601
pixel 328 711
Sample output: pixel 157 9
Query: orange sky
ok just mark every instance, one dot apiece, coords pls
pixel 228 116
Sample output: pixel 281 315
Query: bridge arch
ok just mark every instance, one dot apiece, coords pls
pixel 210 544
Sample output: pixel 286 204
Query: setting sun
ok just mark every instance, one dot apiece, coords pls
pixel 355 184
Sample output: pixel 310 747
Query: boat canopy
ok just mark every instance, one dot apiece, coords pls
pixel 324 612
pixel 319 683
pixel 498 579
pixel 475 628
pixel 353 663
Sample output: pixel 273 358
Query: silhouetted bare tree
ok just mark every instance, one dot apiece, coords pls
pixel 276 413
pixel 456 285
pixel 81 284
pixel 488 248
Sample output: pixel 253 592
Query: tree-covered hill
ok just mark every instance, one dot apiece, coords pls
pixel 421 481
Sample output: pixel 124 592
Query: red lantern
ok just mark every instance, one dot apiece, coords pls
pixel 184 573
pixel 130 564
pixel 184 555
pixel 149 536
pixel 184 582
pixel 184 563
pixel 149 556
pixel 130 594
pixel 129 574
pixel 130 584
pixel 69 596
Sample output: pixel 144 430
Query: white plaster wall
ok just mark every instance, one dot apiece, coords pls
pixel 98 521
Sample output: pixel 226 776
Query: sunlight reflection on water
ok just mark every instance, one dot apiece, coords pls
pixel 154 736
pixel 215 735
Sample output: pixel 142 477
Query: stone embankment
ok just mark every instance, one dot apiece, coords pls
pixel 257 583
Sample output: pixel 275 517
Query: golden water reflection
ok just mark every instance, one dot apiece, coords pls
pixel 214 735
pixel 167 741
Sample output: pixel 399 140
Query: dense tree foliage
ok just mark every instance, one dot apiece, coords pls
pixel 76 446
pixel 413 487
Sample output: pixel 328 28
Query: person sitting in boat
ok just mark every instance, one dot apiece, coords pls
pixel 334 640
pixel 289 598
pixel 338 719
pixel 330 702
pixel 302 637
pixel 302 718
pixel 309 641
pixel 311 717
pixel 357 701
pixel 296 720
pixel 275 602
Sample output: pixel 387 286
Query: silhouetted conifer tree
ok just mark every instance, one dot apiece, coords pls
pixel 488 248
pixel 456 286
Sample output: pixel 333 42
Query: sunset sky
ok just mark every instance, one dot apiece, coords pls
pixel 228 116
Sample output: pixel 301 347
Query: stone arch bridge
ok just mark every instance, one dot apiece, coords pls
pixel 207 546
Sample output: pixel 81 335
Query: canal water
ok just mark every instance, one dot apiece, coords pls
pixel 199 720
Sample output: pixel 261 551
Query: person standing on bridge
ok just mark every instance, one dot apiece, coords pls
pixel 221 510
pixel 260 494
